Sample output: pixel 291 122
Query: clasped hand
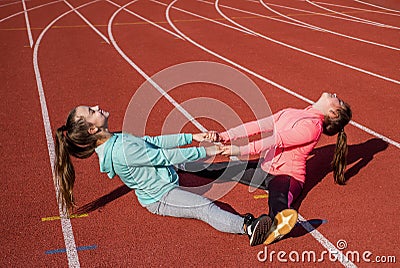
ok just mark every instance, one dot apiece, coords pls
pixel 216 149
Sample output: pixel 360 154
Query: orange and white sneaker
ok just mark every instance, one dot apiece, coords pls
pixel 284 222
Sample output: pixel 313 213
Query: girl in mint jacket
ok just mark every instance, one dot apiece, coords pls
pixel 145 164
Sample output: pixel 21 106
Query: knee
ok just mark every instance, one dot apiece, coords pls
pixel 153 208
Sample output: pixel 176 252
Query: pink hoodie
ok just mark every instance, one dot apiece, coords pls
pixel 297 132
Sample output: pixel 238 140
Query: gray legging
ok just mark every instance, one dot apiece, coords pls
pixel 184 204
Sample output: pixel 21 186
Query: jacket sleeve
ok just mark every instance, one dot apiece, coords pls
pixel 258 146
pixel 169 141
pixel 248 129
pixel 304 132
pixel 144 154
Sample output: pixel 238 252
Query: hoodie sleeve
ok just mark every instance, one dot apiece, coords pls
pixel 146 154
pixel 169 141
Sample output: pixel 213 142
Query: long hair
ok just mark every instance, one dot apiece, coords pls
pixel 333 126
pixel 73 139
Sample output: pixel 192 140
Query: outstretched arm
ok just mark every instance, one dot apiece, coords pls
pixel 248 129
pixel 175 140
pixel 169 141
pixel 252 148
pixel 304 132
pixel 143 154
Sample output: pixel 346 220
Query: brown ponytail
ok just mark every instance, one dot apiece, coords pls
pixel 339 158
pixel 71 139
pixel 64 171
pixel 333 126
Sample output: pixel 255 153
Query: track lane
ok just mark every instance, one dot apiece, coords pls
pixel 329 31
pixel 342 78
pixel 106 240
pixel 91 87
pixel 319 44
pixel 388 6
pixel 27 185
pixel 352 27
pixel 361 20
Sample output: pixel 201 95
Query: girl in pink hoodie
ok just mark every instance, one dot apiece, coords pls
pixel 282 171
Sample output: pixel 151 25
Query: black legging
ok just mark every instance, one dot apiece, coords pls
pixel 283 189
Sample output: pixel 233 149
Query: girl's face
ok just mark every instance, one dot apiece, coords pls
pixel 94 115
pixel 330 104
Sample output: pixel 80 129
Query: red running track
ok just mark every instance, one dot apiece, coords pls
pixel 78 65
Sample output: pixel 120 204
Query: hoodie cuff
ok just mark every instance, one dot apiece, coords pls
pixel 244 150
pixel 202 152
pixel 188 138
pixel 224 136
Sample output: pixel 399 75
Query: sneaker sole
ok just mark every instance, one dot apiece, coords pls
pixel 260 231
pixel 283 223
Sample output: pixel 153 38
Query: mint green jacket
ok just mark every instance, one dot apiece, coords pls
pixel 145 164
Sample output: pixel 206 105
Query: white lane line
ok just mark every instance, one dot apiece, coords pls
pixel 328 31
pixel 360 9
pixel 373 133
pixel 291 92
pixel 353 17
pixel 319 237
pixel 380 7
pixel 325 242
pixel 204 18
pixel 9 4
pixel 151 81
pixel 322 14
pixel 146 20
pixel 298 49
pixel 148 78
pixel 315 233
pixel 306 25
pixel 66 226
pixel 28 26
pixel 257 15
pixel 68 234
pixel 32 8
pixel 88 22
pixel 311 53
